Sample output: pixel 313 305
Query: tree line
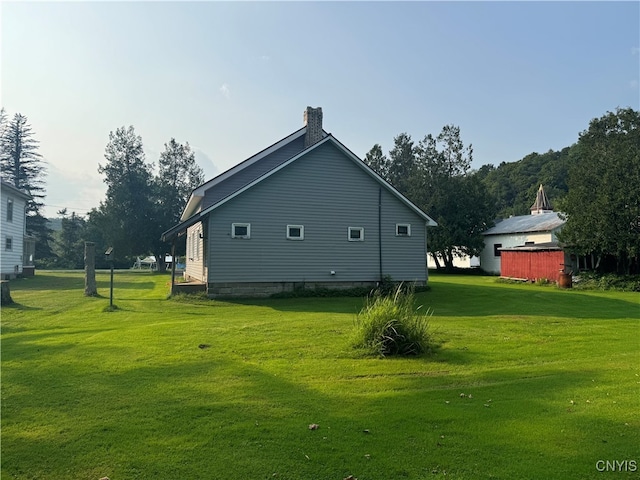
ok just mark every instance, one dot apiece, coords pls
pixel 139 204
pixel 594 182
pixel 435 174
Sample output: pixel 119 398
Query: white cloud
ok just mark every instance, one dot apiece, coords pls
pixel 633 84
pixel 265 58
pixel 203 160
pixel 224 89
pixel 635 50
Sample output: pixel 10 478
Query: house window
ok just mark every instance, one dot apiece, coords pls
pixel 9 210
pixel 496 249
pixel 190 246
pixel 356 234
pixel 8 243
pixel 240 230
pixel 295 232
pixel 403 230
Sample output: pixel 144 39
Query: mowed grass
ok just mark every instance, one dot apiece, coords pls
pixel 527 382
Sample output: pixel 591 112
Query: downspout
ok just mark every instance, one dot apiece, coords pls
pixel 380 231
pixel 426 250
pixel 173 265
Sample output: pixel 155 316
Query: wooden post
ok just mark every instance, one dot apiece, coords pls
pixel 90 288
pixel 6 293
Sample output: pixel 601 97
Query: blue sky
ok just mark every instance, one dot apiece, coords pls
pixel 233 78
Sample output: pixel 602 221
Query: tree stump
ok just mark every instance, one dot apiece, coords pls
pixel 6 293
pixel 90 288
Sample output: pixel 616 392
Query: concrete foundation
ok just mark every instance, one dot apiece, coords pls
pixel 266 289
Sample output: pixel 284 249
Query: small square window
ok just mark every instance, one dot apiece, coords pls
pixel 403 229
pixel 496 249
pixel 356 234
pixel 9 210
pixel 295 232
pixel 240 230
pixel 8 243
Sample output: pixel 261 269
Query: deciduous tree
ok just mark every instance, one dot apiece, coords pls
pixel 455 199
pixel 603 203
pixel 436 176
pixel 178 176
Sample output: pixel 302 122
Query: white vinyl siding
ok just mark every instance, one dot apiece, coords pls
pixel 13 217
pixel 195 268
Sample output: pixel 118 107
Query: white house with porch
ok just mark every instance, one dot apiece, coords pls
pixel 13 254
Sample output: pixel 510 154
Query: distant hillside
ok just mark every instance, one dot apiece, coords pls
pixel 514 185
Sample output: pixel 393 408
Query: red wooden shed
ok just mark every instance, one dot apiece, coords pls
pixel 533 262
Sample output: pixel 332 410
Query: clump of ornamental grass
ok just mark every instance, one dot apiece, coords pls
pixel 391 325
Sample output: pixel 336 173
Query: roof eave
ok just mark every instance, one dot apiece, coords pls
pixel 192 206
pixel 15 190
pixel 200 191
pixel 180 228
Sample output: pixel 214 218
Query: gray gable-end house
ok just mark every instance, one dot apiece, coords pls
pixel 304 212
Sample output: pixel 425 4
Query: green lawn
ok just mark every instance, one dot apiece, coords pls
pixel 528 382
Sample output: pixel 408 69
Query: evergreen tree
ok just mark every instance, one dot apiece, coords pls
pixel 69 241
pixel 456 158
pixel 458 202
pixel 377 161
pixel 178 176
pixel 402 163
pixel 126 215
pixel 138 206
pixel 435 175
pixel 22 165
pixel 3 122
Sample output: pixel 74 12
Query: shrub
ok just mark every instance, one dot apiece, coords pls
pixel 194 297
pixel 610 281
pixel 390 325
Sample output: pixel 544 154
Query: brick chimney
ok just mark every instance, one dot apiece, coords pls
pixel 313 122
